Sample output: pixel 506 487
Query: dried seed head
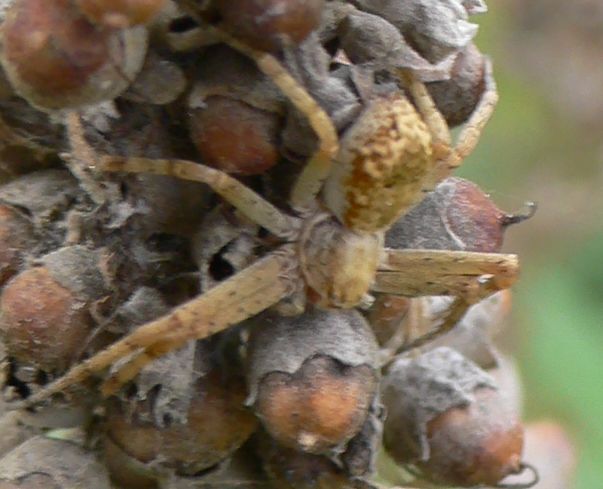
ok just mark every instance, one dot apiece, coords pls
pixel 311 377
pixel 120 14
pixel 446 416
pixel 218 424
pixel 270 25
pixel 234 136
pixel 457 215
pixel 46 463
pixel 50 329
pixel 55 58
pixel 457 97
pixel 16 236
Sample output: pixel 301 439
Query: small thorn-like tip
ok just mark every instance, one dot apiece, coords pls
pixel 523 467
pixel 530 210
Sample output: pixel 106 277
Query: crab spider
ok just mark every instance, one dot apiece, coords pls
pixel 332 253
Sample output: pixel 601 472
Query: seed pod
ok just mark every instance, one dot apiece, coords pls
pixel 46 463
pixel 270 25
pixel 457 97
pixel 16 236
pixel 47 332
pixel 311 377
pixel 217 425
pixel 446 416
pixel 55 58
pixel 457 215
pixel 235 113
pixel 120 14
pixel 234 136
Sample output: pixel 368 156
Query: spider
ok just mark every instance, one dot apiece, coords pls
pixel 331 251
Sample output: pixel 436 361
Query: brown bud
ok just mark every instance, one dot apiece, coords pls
pixel 16 234
pixel 234 136
pixel 474 444
pixel 55 58
pixel 270 25
pixel 311 377
pixel 217 424
pixel 457 97
pixel 457 215
pixel 446 416
pixel 45 309
pixel 120 13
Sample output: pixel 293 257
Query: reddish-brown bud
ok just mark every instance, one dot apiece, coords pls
pixel 234 136
pixel 271 24
pixel 45 310
pixel 311 377
pixel 55 58
pixel 217 424
pixel 446 416
pixel 457 215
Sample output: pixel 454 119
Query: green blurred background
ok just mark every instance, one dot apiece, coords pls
pixel 544 144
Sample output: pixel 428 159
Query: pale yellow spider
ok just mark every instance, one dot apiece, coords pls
pixel 332 254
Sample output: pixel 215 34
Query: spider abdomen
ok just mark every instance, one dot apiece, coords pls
pixel 381 167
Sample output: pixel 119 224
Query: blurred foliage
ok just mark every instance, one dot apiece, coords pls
pixel 531 151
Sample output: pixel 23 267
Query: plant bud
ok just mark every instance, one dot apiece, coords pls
pixel 55 58
pixel 446 416
pixel 120 14
pixel 45 310
pixel 311 377
pixel 457 97
pixel 44 463
pixel 270 25
pixel 235 137
pixel 217 424
pixel 16 235
pixel 457 215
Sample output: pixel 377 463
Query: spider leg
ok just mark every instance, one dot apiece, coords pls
pixel 470 276
pixel 243 295
pixel 472 130
pixel 440 133
pixel 318 167
pixel 457 310
pixel 248 202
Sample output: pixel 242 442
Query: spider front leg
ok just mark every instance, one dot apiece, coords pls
pixel 469 276
pixel 318 167
pixel 241 296
pixel 449 158
pixel 248 202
